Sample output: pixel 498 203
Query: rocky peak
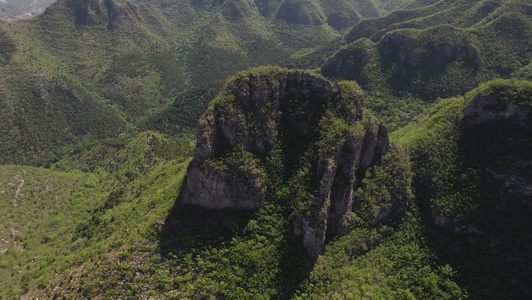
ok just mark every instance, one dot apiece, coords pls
pixel 245 119
pixel 259 132
pixel 99 12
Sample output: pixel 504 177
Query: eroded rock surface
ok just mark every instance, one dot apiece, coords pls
pixel 329 212
pixel 266 124
pixel 502 119
pixel 99 12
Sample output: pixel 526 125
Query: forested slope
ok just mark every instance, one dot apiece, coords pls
pixel 411 57
pixel 396 168
pixel 116 64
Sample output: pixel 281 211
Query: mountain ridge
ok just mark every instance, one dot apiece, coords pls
pixel 296 187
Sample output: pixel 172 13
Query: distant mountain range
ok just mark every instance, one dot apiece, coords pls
pixel 22 9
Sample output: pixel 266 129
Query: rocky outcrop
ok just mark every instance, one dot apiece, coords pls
pixel 331 209
pixel 99 12
pixel 272 115
pixel 483 109
pixel 244 120
pixel 501 115
pixel 89 12
pixel 411 57
pixel 410 61
pixel 349 62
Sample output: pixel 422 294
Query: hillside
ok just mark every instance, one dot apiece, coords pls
pixel 147 151
pixel 411 57
pixel 119 64
pixel 471 157
pixel 58 220
pixel 135 239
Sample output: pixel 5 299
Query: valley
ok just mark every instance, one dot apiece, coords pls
pixel 268 149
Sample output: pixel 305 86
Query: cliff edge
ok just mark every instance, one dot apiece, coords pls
pixel 288 136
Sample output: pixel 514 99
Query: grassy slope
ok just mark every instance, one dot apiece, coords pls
pixel 58 221
pixel 129 237
pixel 125 235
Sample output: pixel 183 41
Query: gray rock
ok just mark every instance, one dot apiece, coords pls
pixel 335 200
pixel 238 132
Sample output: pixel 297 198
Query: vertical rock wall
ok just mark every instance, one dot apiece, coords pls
pixel 298 113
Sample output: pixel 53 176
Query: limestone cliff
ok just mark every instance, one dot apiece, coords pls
pixel 487 220
pixel 100 12
pixel 275 128
pixel 240 129
pixel 500 117
pixel 411 61
pixel 329 212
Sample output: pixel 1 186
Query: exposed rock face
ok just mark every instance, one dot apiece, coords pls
pixel 248 119
pixel 407 61
pixel 99 12
pixel 295 113
pixel 351 65
pixel 483 109
pixel 411 57
pixel 329 212
pixel 496 142
pixel 88 12
pixel 490 115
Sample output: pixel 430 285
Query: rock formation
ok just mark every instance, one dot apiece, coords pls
pixel 99 12
pixel 331 208
pixel 272 115
pixel 410 61
pixel 501 116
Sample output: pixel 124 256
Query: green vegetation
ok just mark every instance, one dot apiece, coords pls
pixel 98 117
pixel 408 59
pixel 458 185
pixel 59 221
pixel 382 262
pixel 124 68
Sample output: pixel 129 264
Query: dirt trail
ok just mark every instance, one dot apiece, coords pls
pixel 18 190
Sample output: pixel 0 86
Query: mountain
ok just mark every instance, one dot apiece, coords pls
pixel 396 166
pixel 21 9
pixel 439 50
pixel 248 140
pixel 471 157
pixel 120 64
